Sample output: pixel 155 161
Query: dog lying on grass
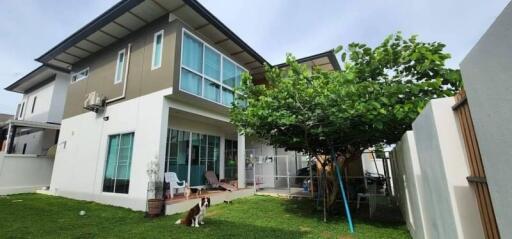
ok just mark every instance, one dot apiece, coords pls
pixel 195 215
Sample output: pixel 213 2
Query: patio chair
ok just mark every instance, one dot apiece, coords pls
pixel 215 183
pixel 174 183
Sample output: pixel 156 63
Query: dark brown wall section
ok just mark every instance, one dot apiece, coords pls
pixel 141 79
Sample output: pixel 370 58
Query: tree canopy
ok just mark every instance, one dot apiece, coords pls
pixel 373 99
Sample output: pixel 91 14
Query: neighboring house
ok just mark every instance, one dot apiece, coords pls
pixel 34 128
pixel 26 159
pixel 152 81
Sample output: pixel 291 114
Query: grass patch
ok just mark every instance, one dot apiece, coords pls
pixel 41 216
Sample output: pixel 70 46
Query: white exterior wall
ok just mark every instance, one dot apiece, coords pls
pixel 487 76
pixel 450 203
pixel 58 100
pixel 24 173
pixel 81 154
pixel 407 183
pixel 50 101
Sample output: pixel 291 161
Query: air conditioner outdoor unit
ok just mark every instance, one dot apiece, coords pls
pixel 94 102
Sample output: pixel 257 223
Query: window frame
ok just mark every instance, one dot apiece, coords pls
pixel 79 73
pixel 22 109
pixel 153 59
pixel 117 162
pixel 34 100
pixel 203 76
pixel 116 76
pixel 190 133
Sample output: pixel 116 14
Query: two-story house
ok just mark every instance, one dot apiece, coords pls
pixel 151 80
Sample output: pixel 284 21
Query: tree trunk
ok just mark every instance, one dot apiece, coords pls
pixel 325 166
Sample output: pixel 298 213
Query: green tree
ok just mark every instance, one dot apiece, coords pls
pixel 335 115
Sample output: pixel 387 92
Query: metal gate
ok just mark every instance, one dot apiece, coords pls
pixel 477 178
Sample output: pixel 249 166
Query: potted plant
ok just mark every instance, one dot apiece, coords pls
pixel 155 187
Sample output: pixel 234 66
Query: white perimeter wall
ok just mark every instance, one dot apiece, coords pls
pixel 82 149
pixel 445 201
pixel 487 75
pixel 24 173
pixel 407 178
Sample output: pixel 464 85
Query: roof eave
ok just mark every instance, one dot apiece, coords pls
pixel 91 27
pixel 12 87
pixel 329 54
pixel 201 10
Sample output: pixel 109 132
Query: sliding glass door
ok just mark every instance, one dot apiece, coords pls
pixel 198 160
pixel 119 157
pixel 231 159
pixel 178 143
pixel 190 155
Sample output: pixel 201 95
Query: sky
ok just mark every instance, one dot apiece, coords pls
pixel 28 28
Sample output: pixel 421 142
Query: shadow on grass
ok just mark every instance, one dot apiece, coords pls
pixel 384 217
pixel 230 229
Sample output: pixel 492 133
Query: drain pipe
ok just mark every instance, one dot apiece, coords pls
pixel 128 54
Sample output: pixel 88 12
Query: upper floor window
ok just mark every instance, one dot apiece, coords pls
pixel 158 42
pixel 206 72
pixel 120 66
pixel 33 104
pixel 22 108
pixel 78 76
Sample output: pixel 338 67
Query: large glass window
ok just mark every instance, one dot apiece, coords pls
pixel 228 72
pixel 213 152
pixel 156 61
pixel 212 90
pixel 177 153
pixel 206 72
pixel 191 82
pixel 227 97
pixel 198 159
pixel 119 157
pixel 204 155
pixel 211 63
pixel 192 55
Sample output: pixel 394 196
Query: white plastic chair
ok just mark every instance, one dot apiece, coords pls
pixel 174 183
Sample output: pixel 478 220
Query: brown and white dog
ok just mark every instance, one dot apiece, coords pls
pixel 196 214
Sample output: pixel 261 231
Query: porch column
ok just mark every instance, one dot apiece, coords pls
pixel 11 133
pixel 241 160
pixel 222 158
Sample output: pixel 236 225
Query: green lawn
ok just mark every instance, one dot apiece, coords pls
pixel 40 216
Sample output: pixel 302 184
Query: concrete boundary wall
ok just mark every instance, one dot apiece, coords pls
pixel 24 173
pixel 433 193
pixel 407 184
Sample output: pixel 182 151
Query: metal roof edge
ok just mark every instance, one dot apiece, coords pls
pixel 329 54
pixel 112 13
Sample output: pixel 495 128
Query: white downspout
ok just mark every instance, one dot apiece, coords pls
pixel 125 76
